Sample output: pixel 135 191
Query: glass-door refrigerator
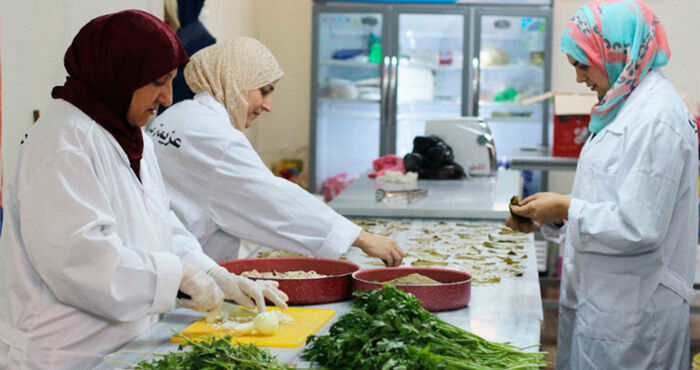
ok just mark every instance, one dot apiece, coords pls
pixel 512 63
pixel 431 73
pixel 380 71
pixel 348 105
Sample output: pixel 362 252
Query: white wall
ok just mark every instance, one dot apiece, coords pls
pixel 284 26
pixel 286 31
pixel 226 19
pixel 34 36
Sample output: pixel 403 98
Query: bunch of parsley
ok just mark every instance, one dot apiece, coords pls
pixel 213 353
pixel 388 329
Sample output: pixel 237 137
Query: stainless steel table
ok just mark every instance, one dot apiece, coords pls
pixel 509 311
pixel 540 158
pixel 483 198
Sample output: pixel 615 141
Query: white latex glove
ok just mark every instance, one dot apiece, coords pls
pixel 205 294
pixel 244 291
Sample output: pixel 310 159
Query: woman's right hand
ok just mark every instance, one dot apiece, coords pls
pixel 523 227
pixel 205 294
pixel 246 292
pixel 380 247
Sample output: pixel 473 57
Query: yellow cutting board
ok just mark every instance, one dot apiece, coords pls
pixel 306 322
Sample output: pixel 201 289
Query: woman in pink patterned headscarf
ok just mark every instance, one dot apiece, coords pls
pixel 623 46
pixel 629 228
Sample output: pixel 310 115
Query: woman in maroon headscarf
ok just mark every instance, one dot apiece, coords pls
pixel 92 253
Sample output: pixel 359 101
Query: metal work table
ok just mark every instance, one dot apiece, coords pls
pixel 509 311
pixel 540 158
pixel 482 198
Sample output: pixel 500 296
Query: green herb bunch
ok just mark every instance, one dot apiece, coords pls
pixel 388 329
pixel 213 353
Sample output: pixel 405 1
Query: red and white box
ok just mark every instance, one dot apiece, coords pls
pixel 572 113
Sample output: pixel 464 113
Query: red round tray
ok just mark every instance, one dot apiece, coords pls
pixel 333 288
pixel 453 293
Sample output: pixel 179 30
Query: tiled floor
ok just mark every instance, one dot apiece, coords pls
pixel 549 327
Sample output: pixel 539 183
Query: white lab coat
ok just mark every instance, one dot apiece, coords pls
pixel 630 241
pixel 222 191
pixel 89 254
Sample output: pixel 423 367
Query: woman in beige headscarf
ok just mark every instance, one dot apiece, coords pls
pixel 220 187
pixel 235 73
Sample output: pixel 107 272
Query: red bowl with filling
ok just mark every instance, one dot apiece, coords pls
pixel 453 292
pixel 337 286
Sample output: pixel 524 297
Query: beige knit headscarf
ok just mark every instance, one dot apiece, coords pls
pixel 229 70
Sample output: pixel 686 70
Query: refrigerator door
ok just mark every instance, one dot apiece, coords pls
pixel 512 64
pixel 430 73
pixel 347 110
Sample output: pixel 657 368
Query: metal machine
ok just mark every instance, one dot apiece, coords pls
pixel 471 142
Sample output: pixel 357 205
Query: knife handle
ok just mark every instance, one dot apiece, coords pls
pixel 181 294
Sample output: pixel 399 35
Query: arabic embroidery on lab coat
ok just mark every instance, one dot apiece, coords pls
pixel 163 137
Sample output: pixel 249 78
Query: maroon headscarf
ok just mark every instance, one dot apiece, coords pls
pixel 111 57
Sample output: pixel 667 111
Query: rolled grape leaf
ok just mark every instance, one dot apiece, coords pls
pixel 515 201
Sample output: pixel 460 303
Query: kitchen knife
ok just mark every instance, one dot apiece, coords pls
pixel 231 307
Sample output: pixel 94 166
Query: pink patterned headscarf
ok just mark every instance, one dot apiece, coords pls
pixel 622 38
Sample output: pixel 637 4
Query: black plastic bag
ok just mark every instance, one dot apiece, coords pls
pixel 432 158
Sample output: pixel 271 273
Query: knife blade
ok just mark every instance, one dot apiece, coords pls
pixel 231 307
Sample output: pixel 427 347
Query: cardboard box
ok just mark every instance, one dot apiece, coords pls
pixel 571 118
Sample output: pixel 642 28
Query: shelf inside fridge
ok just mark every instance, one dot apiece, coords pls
pixel 534 121
pixel 514 68
pixel 414 34
pixel 347 101
pixel 449 102
pixel 498 37
pixel 510 111
pixel 490 103
pixel 348 63
pixel 433 67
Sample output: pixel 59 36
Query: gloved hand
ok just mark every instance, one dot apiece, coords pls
pixel 205 294
pixel 244 291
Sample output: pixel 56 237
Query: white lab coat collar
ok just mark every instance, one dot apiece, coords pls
pixel 122 154
pixel 618 126
pixel 208 100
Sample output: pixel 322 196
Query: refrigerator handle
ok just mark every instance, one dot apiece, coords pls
pixel 391 96
pixel 384 103
pixel 475 86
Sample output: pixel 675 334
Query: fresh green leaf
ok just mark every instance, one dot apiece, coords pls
pixel 388 329
pixel 213 353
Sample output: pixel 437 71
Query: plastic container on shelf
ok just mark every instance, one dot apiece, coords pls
pixel 375 48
